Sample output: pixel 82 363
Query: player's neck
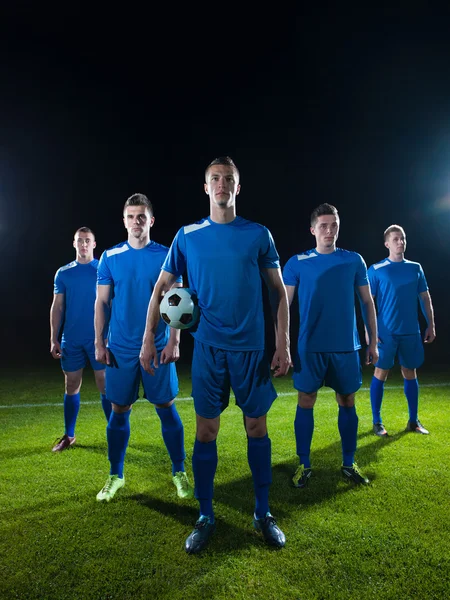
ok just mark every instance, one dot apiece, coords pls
pixel 84 260
pixel 223 215
pixel 326 249
pixel 396 257
pixel 138 243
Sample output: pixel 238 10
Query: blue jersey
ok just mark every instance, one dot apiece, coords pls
pixel 78 284
pixel 132 274
pixel 326 285
pixel 396 287
pixel 223 263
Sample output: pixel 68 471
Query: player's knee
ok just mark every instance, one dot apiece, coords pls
pixel 256 427
pixel 207 429
pixel 307 400
pixel 409 373
pixel 119 409
pixel 381 374
pixel 347 400
pixel 100 380
pixel 73 383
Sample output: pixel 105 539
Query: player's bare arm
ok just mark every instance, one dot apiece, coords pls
pixel 148 353
pixel 56 316
pixel 280 311
pixel 370 319
pixel 101 311
pixel 430 332
pixel 171 353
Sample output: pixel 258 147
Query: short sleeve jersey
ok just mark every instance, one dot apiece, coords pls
pixel 326 286
pixel 396 287
pixel 78 284
pixel 223 264
pixel 132 275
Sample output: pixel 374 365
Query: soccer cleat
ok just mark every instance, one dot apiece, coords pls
pixel 301 476
pixel 379 429
pixel 199 538
pixel 64 443
pixel 354 474
pixel 272 534
pixel 108 491
pixel 417 427
pixel 184 488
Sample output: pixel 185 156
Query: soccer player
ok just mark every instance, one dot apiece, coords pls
pixel 225 256
pixel 397 286
pixel 72 311
pixel 326 279
pixel 127 274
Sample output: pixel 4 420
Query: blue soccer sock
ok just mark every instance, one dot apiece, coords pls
pixel 204 465
pixel 173 436
pixel 376 398
pixel 348 428
pixel 259 454
pixel 106 405
pixel 411 387
pixel 304 429
pixel 118 434
pixel 71 409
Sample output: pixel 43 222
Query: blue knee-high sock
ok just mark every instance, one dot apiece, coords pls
pixel 376 398
pixel 259 454
pixel 173 436
pixel 204 465
pixel 348 428
pixel 411 387
pixel 118 434
pixel 304 428
pixel 106 405
pixel 71 408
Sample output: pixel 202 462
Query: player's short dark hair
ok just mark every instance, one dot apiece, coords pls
pixel 139 200
pixel 84 230
pixel 321 210
pixel 391 229
pixel 223 160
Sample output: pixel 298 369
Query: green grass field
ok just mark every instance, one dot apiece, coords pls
pixel 388 540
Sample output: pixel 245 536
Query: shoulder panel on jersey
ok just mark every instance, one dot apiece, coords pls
pixel 381 264
pixel 113 251
pixel 69 266
pixel 195 226
pixel 304 256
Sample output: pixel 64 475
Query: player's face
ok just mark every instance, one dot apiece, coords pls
pixel 84 244
pixel 326 231
pixel 137 221
pixel 396 243
pixel 222 185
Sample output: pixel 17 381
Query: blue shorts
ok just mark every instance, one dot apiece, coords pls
pixel 409 349
pixel 75 355
pixel 340 371
pixel 124 375
pixel 216 371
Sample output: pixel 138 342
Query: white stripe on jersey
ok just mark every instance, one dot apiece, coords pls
pixel 383 264
pixel 195 226
pixel 113 251
pixel 304 256
pixel 69 266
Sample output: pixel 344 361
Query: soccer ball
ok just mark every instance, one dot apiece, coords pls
pixel 179 308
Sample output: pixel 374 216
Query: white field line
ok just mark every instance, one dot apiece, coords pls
pixel 187 398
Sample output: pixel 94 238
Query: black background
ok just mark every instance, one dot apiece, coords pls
pixel 314 104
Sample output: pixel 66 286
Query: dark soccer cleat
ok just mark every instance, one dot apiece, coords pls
pixel 379 429
pixel 199 538
pixel 301 476
pixel 417 427
pixel 64 443
pixel 354 474
pixel 272 534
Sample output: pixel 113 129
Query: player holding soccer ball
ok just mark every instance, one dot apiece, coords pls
pixel 326 279
pixel 73 305
pixel 224 256
pixel 396 285
pixel 127 274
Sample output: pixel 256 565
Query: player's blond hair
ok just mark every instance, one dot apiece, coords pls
pixel 391 229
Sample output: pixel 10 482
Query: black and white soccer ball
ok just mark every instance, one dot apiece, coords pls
pixel 179 308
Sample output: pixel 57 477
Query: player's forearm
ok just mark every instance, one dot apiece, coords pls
pixel 427 309
pixel 370 319
pixel 100 312
pixel 56 314
pixel 174 336
pixel 282 319
pixel 153 316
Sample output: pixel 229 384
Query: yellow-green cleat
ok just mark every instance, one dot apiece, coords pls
pixel 354 475
pixel 108 491
pixel 184 488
